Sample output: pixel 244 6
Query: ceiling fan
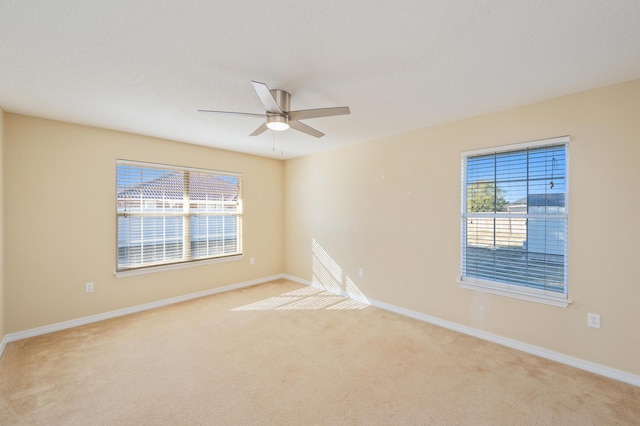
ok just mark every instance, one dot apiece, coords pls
pixel 279 117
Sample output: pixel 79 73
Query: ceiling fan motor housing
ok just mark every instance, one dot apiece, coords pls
pixel 282 98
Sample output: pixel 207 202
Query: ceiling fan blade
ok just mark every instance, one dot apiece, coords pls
pixel 318 112
pixel 260 130
pixel 231 112
pixel 266 97
pixel 305 129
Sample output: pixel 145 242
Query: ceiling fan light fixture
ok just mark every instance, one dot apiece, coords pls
pixel 278 122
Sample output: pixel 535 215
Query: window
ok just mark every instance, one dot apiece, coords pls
pixel 514 221
pixel 169 215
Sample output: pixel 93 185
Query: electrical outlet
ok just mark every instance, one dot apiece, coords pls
pixel 593 320
pixel 88 287
pixel 252 261
pixel 361 272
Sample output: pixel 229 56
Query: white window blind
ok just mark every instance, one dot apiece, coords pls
pixel 168 214
pixel 514 220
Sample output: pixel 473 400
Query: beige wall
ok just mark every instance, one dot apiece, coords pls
pixel 392 207
pixel 60 211
pixel 2 309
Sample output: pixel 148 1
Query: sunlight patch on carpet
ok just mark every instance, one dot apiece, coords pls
pixel 308 298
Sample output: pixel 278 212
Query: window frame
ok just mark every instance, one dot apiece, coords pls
pixel 187 214
pixel 514 290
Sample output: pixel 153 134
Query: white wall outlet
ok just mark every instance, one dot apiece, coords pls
pixel 593 320
pixel 88 287
pixel 252 261
pixel 361 272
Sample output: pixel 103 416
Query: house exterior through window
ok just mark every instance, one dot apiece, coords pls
pixel 515 220
pixel 169 215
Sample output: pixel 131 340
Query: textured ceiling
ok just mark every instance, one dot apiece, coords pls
pixel 147 66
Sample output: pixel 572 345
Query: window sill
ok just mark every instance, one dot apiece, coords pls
pixel 171 267
pixel 518 292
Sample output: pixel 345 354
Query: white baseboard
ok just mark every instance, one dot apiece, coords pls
pixel 3 344
pixel 592 367
pixel 297 280
pixel 11 337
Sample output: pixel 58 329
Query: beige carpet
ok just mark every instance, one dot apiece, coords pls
pixel 281 353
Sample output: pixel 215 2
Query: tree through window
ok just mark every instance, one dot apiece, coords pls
pixel 514 220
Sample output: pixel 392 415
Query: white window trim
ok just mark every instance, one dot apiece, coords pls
pixel 147 269
pixel 173 266
pixel 516 291
pixel 513 290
